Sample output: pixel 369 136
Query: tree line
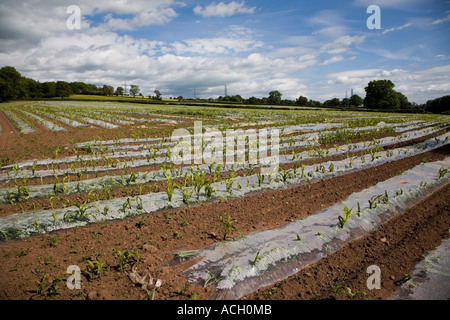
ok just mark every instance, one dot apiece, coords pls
pixel 14 86
pixel 380 95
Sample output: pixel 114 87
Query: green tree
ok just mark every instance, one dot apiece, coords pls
pixel 274 97
pixel 158 95
pixel 355 101
pixel 380 94
pixel 62 89
pixel 49 89
pixel 33 88
pixel 314 104
pixel 11 84
pixel 438 105
pixel 301 101
pixel 254 100
pixel 108 90
pixel 332 103
pixel 134 90
pixel 119 91
pixel 403 101
pixel 236 98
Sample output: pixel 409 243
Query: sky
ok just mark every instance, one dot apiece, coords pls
pixel 318 49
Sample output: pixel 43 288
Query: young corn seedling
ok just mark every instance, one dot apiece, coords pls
pixel 22 193
pixel 331 168
pixel 62 189
pixel 53 289
pixel 139 203
pixel 55 218
pixel 170 188
pixel 209 190
pixel 385 198
pixel 358 295
pixel 94 269
pixel 199 181
pixel 41 284
pixel 127 204
pixel 227 228
pixel 373 201
pixel 81 213
pixel 285 174
pixel 186 193
pixel 124 257
pixel 260 179
pixel 257 258
pixel 442 172
pixel 347 213
pixel 228 184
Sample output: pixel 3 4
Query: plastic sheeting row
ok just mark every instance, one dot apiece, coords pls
pixel 20 225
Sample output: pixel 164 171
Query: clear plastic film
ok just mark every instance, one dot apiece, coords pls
pixel 430 278
pixel 259 259
pixel 20 225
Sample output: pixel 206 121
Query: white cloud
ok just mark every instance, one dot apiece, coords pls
pixel 332 60
pixel 419 86
pixel 342 44
pixel 223 10
pixel 438 21
pixel 396 28
pixel 30 21
pixel 216 46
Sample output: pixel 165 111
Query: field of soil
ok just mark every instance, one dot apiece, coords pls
pixel 117 258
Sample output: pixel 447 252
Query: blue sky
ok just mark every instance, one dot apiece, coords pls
pixel 318 49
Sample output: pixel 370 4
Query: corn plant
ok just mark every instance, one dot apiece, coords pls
pixel 126 204
pixel 303 171
pixel 209 190
pixel 385 197
pixel 285 174
pixel 198 181
pixel 211 280
pixel 55 218
pixel 94 269
pixel 442 172
pixel 62 189
pixel 139 203
pixel 347 213
pixel 250 170
pixel 53 289
pixel 81 213
pixel 372 201
pixel 227 228
pixel 228 184
pixel 21 194
pixel 41 284
pixel 257 258
pixel 358 295
pixel 33 167
pixel 331 167
pixel 186 193
pixel 260 179
pixel 124 257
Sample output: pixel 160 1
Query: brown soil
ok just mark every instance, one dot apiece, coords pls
pixel 40 145
pixel 158 236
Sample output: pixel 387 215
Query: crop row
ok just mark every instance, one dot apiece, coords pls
pixel 196 188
